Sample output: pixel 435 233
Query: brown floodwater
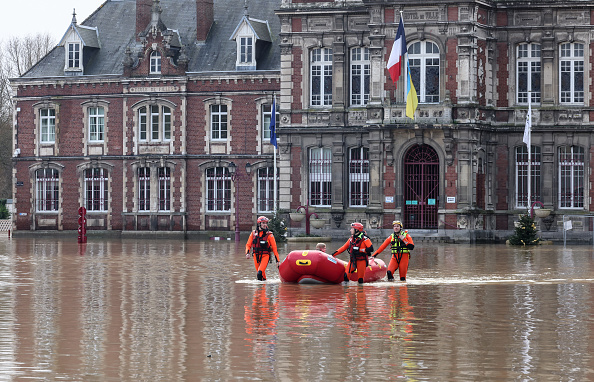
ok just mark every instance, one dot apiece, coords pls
pixel 175 310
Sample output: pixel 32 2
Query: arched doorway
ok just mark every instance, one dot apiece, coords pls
pixel 421 187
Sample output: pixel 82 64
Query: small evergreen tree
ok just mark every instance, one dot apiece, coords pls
pixel 525 232
pixel 4 214
pixel 278 227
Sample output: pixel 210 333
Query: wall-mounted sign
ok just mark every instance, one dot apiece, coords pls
pixel 431 202
pixel 412 202
pixel 451 199
pixel 389 199
pixel 19 184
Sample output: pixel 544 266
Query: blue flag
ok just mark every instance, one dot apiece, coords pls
pixel 273 124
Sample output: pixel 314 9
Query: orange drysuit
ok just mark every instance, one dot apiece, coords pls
pixel 262 243
pixel 359 246
pixel 401 243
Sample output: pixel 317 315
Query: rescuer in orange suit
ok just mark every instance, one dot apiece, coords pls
pixel 262 243
pixel 401 245
pixel 359 246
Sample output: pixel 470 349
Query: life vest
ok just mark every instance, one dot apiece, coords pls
pixel 398 246
pixel 355 242
pixel 260 245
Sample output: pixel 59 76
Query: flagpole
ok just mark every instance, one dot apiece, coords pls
pixel 529 150
pixel 274 148
pixel 404 58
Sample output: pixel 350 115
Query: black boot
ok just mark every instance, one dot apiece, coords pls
pixel 346 278
pixel 403 279
pixel 260 276
pixel 360 281
pixel 390 277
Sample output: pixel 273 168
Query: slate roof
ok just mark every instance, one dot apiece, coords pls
pixel 116 25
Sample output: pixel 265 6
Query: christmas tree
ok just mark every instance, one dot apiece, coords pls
pixel 525 232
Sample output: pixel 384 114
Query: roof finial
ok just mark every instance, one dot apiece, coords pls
pixel 73 15
pixel 245 8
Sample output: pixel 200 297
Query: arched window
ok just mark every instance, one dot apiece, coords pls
pixel 423 58
pixel 155 62
pixel 154 123
pixel 360 76
pixel 528 73
pixel 321 77
pixel 218 189
pixel 48 189
pixel 96 189
pixel 571 76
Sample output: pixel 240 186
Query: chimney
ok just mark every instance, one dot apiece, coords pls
pixel 204 18
pixel 143 15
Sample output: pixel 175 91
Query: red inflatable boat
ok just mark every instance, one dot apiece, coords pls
pixel 319 267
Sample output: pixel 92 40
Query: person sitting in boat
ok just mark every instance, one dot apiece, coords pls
pixel 262 243
pixel 321 247
pixel 359 246
pixel 402 244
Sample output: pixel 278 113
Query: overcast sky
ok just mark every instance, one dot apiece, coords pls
pixel 29 17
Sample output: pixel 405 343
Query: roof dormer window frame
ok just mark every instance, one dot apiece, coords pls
pixel 73 55
pixel 245 50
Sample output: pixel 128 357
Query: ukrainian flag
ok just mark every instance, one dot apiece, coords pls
pixel 411 94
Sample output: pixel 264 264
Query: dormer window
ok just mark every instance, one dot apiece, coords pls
pixel 155 62
pixel 80 43
pixel 246 50
pixel 253 41
pixel 74 55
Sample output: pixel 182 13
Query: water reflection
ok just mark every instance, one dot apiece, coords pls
pixel 167 310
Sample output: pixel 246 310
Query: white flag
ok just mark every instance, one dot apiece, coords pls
pixel 528 127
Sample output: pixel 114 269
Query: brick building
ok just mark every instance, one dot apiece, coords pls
pixel 460 167
pixel 151 114
pixel 142 108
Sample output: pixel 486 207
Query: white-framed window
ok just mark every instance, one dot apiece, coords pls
pixel 96 124
pixel 96 189
pixel 320 177
pixel 571 76
pixel 359 177
pixel 218 189
pixel 522 175
pixel 47 184
pixel 321 77
pixel 528 72
pixel 218 122
pixel 74 55
pixel 360 76
pixel 266 189
pixel 423 58
pixel 156 120
pixel 47 125
pixel 155 62
pixel 246 49
pixel 164 188
pixel 266 117
pixel 144 189
pixel 571 177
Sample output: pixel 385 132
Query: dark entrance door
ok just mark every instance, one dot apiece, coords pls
pixel 421 187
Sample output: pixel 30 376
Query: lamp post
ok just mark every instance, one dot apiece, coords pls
pixel 235 176
pixel 307 216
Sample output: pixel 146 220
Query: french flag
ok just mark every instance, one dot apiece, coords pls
pixel 397 54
